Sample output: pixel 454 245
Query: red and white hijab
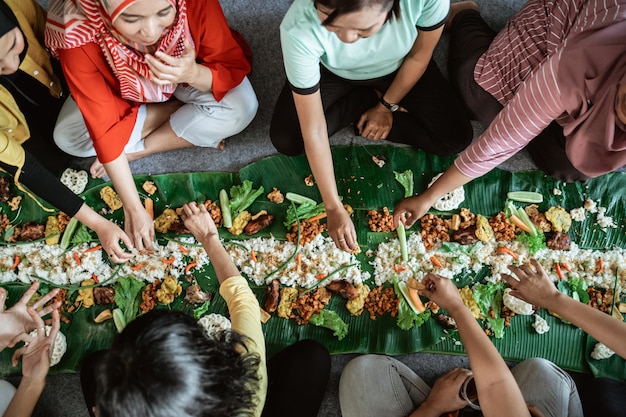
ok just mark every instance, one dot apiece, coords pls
pixel 74 23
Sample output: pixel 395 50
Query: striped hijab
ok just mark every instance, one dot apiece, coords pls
pixel 74 23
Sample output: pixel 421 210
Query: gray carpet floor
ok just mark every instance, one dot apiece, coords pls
pixel 258 21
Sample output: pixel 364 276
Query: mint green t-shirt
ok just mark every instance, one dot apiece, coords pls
pixel 306 43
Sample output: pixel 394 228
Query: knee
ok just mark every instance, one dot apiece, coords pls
pixel 360 367
pixel 286 141
pixel 456 139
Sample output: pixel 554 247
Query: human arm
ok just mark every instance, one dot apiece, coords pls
pixel 533 286
pixel 138 224
pixel 317 149
pixel 199 222
pixel 376 122
pixel 17 319
pixel 498 392
pixel 35 365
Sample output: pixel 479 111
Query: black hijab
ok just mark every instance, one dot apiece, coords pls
pixel 8 22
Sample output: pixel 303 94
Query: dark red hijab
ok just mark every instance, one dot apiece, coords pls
pixel 592 66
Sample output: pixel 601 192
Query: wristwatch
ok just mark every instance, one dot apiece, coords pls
pixel 391 107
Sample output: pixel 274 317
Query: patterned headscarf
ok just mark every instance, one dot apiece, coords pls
pixel 73 23
pixel 592 66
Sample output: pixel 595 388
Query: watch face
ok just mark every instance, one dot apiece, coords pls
pixel 393 107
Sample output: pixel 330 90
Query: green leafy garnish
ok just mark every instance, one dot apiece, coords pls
pixel 407 318
pixel 81 235
pixel 574 287
pixel 332 321
pixel 128 297
pixel 242 196
pixel 533 242
pixel 489 298
pixel 302 211
pixel 406 179
pixel 201 311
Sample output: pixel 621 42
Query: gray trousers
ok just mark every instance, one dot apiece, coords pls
pixel 376 385
pixel 7 391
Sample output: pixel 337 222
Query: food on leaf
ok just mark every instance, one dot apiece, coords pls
pixel 225 206
pixel 466 236
pixel 214 323
pixel 380 222
pixel 149 187
pixel 503 229
pixel 242 196
pixel 517 305
pixel 275 196
pixel 85 295
pixel 104 295
pixel 300 199
pixel 14 203
pixel 127 298
pixel 288 296
pixel 558 241
pixel 411 297
pixel 240 222
pixel 5 189
pixel 355 306
pixel 195 295
pixel 560 219
pixel 273 296
pixel 601 351
pixel 76 181
pixel 303 211
pixel 170 288
pixel 540 324
pixel 525 196
pixel 258 223
pixel 103 316
pixel 343 288
pixel 52 231
pixel 484 232
pixel 489 299
pixel 445 321
pixel 309 181
pixel 110 198
pixel 332 321
pixel 449 201
pixel 433 230
pixel 406 180
pixel 165 220
pixel 379 160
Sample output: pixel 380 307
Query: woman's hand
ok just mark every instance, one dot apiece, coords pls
pixel 341 229
pixel 110 236
pixel 444 397
pixel 442 291
pixel 410 209
pixel 375 123
pixel 35 353
pixel 139 226
pixel 198 221
pixel 533 285
pixel 17 319
pixel 167 69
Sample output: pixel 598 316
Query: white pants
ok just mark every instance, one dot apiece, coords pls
pixel 7 391
pixel 202 120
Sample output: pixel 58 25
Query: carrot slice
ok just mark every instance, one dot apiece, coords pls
pixel 321 276
pixel 136 267
pixel 183 249
pixel 169 261
pixel 189 266
pixel 317 217
pixel 95 248
pixel 398 268
pixel 16 262
pixel 436 261
pixel 600 266
pixel 519 223
pixel 95 278
pixel 566 267
pixel 415 299
pixel 298 262
pixel 76 258
pixel 558 271
pixel 253 255
pixel 149 205
pixel 504 249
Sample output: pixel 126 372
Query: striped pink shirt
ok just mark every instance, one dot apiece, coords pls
pixel 520 70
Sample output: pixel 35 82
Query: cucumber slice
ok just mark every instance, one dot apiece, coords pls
pixel 525 196
pixel 119 320
pixel 227 219
pixel 300 199
pixel 71 227
pixel 405 293
pixel 402 239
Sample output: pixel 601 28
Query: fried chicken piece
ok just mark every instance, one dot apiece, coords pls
pixel 343 288
pixel 558 241
pixel 275 196
pixel 104 295
pixel 256 225
pixel 273 296
pixel 32 231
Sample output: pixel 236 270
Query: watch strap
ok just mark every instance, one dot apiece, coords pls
pixel 392 107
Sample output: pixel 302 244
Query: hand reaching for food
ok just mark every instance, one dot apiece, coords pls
pixel 139 226
pixel 532 284
pixel 198 221
pixel 341 229
pixel 411 209
pixel 442 291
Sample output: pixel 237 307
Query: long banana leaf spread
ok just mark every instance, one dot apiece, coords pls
pixel 351 302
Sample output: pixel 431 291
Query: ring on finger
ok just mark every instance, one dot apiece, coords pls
pixel 342 240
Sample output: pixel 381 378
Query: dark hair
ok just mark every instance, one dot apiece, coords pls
pixel 163 365
pixel 341 7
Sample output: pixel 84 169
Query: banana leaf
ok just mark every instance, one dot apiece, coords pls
pixel 364 186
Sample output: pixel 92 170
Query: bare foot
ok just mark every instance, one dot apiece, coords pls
pixel 97 169
pixel 459 7
pixel 221 145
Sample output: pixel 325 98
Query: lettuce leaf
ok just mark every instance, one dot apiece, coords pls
pixel 302 212
pixel 332 321
pixel 406 179
pixel 489 298
pixel 407 318
pixel 128 296
pixel 242 196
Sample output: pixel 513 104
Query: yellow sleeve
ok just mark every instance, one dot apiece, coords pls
pixel 13 130
pixel 245 316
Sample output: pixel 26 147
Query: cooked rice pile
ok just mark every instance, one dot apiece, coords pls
pixel 583 263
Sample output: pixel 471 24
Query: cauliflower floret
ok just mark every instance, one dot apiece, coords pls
pixel 578 214
pixel 213 323
pixel 600 351
pixel 540 324
pixel 516 305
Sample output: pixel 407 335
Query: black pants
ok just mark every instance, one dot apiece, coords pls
pixel 603 397
pixel 436 121
pixel 297 379
pixel 470 37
